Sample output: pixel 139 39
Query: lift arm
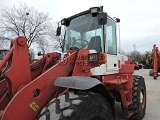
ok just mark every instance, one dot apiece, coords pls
pixel 32 86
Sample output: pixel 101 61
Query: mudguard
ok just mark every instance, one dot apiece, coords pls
pixel 77 82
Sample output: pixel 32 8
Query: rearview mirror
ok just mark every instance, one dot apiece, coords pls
pixel 102 18
pixel 58 31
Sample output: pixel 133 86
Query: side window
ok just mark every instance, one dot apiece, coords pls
pixel 111 37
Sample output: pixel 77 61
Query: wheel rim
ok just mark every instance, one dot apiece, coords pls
pixel 142 98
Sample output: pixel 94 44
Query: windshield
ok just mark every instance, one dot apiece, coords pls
pixel 84 32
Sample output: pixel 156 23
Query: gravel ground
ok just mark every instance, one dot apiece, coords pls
pixel 153 97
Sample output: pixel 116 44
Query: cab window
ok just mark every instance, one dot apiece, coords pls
pixel 111 37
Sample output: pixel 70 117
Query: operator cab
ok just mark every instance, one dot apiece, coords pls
pixel 84 32
pixel 95 30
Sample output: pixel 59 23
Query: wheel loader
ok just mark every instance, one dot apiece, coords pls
pixel 83 83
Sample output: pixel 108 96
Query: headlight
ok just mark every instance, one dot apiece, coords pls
pixel 94 10
pixel 63 22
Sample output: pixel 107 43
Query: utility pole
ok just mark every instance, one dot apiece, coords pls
pixel 134 47
pixel 134 53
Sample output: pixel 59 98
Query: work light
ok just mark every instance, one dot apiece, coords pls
pixel 94 10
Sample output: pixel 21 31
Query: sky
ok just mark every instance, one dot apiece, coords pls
pixel 140 19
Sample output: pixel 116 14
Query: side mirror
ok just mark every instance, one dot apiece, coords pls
pixel 58 31
pixel 102 18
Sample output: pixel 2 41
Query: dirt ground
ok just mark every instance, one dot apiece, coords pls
pixel 153 97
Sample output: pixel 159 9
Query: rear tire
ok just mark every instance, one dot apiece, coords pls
pixel 139 98
pixel 81 106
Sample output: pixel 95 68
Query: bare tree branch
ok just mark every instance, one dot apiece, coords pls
pixel 24 21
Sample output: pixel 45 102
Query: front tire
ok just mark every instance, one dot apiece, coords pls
pixel 80 106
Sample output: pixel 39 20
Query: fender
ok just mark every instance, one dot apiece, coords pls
pixel 86 83
pixel 77 82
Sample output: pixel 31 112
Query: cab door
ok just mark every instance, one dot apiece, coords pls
pixel 111 45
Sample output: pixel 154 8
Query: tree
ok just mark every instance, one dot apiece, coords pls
pixel 136 56
pixel 43 45
pixel 4 42
pixel 56 42
pixel 31 55
pixel 23 21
